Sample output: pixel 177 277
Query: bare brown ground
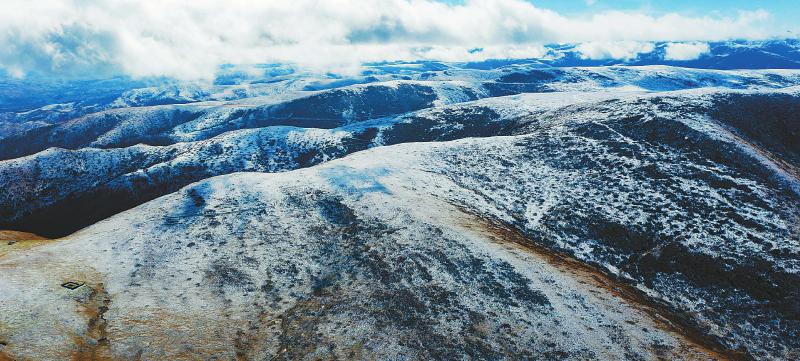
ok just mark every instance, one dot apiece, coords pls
pixel 94 345
pixel 11 241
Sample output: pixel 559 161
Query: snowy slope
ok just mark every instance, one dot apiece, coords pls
pixel 339 265
pixel 57 191
pixel 413 251
pixel 420 211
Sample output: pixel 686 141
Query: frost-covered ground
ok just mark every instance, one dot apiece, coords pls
pixel 579 213
pixel 58 191
pixel 341 264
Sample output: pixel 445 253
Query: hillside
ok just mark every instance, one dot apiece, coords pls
pixel 514 212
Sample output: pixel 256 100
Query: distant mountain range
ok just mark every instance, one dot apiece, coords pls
pixel 233 82
pixel 771 54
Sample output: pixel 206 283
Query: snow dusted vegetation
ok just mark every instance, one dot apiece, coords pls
pixel 416 211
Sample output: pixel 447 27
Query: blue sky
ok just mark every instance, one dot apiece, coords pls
pixel 191 39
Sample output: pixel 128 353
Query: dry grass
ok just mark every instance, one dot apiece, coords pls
pixel 13 241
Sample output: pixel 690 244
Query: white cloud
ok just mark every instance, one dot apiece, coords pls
pixel 685 51
pixel 613 49
pixel 190 39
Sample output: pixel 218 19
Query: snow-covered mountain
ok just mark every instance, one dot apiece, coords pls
pixel 48 100
pixel 31 131
pixel 508 210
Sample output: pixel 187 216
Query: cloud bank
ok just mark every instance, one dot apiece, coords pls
pixel 613 49
pixel 191 39
pixel 685 51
